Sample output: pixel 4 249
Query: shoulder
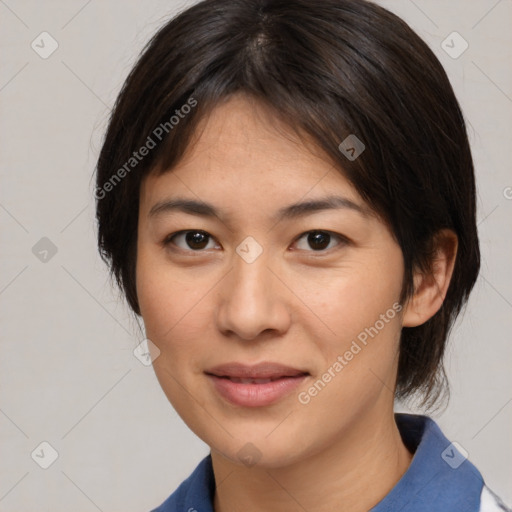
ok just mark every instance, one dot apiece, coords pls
pixel 440 477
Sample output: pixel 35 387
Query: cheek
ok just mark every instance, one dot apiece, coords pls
pixel 357 355
pixel 349 300
pixel 174 308
pixel 357 318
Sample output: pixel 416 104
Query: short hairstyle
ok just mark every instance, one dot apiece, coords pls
pixel 328 69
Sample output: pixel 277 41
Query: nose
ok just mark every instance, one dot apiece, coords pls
pixel 252 301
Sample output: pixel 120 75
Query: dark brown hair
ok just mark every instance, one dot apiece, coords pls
pixel 329 69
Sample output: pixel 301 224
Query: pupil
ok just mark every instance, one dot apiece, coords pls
pixel 196 240
pixel 318 240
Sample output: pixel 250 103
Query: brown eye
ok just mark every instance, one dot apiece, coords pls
pixel 318 240
pixel 195 240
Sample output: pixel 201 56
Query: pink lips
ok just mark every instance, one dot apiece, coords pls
pixel 255 386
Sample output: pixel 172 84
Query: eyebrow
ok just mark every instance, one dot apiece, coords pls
pixel 292 211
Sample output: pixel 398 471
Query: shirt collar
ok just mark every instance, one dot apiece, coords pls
pixel 439 477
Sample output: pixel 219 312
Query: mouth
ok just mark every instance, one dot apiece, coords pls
pixel 240 380
pixel 255 386
pixel 259 372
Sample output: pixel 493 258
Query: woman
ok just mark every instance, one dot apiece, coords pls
pixel 286 196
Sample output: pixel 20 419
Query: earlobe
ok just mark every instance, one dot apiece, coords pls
pixel 430 289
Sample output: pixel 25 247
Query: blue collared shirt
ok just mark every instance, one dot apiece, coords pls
pixel 438 479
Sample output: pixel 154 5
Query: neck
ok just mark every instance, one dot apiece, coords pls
pixel 352 474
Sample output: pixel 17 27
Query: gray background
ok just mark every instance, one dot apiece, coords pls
pixel 68 375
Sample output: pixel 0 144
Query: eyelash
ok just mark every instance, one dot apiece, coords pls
pixel 342 240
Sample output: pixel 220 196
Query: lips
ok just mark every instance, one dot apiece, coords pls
pixel 239 380
pixel 255 386
pixel 262 372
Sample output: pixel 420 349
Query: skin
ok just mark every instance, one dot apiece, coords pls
pixel 293 305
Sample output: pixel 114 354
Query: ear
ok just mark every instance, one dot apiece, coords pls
pixel 430 289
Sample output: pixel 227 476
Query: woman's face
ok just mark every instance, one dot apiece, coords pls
pixel 315 289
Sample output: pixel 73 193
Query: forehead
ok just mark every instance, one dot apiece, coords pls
pixel 243 157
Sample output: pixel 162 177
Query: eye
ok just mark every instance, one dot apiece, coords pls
pixel 319 240
pixel 195 240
